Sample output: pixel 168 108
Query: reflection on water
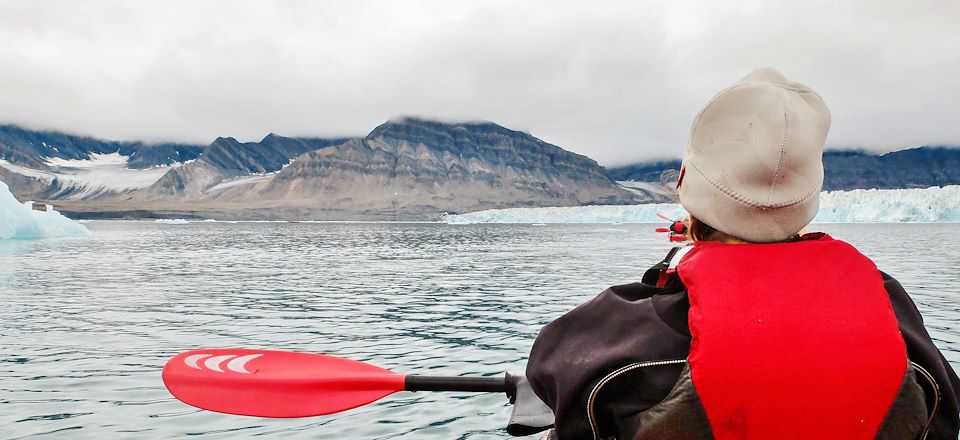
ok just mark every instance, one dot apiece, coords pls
pixel 87 323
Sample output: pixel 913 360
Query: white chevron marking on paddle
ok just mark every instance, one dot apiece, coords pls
pixel 214 362
pixel 239 364
pixel 192 360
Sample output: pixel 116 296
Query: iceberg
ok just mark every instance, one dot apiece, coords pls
pixel 21 221
pixel 934 204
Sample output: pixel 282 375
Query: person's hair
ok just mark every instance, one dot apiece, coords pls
pixel 700 231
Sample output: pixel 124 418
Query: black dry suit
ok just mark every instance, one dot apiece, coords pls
pixel 791 340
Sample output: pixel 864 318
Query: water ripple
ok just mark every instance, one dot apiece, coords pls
pixel 88 324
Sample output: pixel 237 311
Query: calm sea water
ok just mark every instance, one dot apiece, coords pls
pixel 86 324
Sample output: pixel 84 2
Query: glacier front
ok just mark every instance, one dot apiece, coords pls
pixel 572 214
pixel 21 221
pixel 933 204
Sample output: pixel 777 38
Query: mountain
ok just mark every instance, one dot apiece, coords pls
pixel 405 169
pixel 422 168
pixel 49 165
pixel 228 158
pixel 643 171
pixel 34 149
pixel 59 167
pixel 919 167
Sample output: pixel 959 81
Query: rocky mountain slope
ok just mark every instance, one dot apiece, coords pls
pixel 423 168
pixel 227 158
pixel 405 169
pixel 920 167
pixel 649 171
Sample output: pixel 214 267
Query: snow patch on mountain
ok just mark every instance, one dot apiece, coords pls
pixel 243 180
pixel 99 173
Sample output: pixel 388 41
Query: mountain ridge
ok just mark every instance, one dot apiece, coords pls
pixel 916 167
pixel 406 168
pixel 226 157
pixel 422 165
pixel 28 147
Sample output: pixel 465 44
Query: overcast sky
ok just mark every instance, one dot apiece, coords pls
pixel 616 80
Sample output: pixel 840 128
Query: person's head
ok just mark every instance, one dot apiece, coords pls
pixel 753 168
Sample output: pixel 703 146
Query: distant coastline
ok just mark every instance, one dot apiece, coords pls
pixel 927 205
pixel 407 169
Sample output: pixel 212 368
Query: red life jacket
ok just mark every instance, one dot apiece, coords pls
pixel 791 340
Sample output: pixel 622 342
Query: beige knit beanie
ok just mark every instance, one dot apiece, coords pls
pixel 753 167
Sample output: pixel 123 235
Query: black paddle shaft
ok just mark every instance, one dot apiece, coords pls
pixel 502 384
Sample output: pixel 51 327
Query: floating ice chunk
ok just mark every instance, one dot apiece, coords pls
pixel 172 221
pixel 933 204
pixel 21 221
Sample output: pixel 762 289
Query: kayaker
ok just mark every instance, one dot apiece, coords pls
pixel 753 331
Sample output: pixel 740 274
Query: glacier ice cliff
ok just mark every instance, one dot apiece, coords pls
pixel 935 204
pixel 172 221
pixel 21 221
pixel 572 214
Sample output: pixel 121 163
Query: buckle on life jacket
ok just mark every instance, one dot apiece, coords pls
pixel 670 263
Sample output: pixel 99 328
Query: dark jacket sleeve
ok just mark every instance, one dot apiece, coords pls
pixel 620 326
pixel 921 350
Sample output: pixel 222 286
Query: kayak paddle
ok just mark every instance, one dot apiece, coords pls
pixel 677 229
pixel 270 383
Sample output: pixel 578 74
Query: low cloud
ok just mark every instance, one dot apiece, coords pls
pixel 616 80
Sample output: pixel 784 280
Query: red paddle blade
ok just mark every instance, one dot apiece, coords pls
pixel 665 217
pixel 268 383
pixel 663 229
